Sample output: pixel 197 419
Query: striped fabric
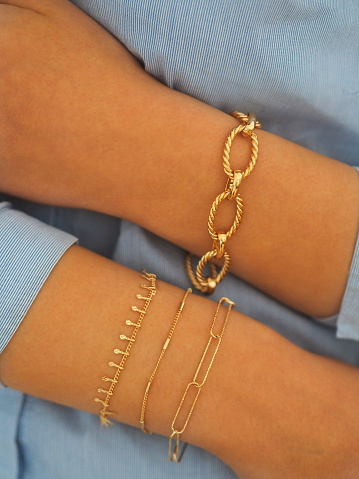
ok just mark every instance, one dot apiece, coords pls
pixel 296 64
pixel 28 252
pixel 348 320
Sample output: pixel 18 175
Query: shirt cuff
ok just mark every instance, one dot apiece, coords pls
pixel 29 250
pixel 348 318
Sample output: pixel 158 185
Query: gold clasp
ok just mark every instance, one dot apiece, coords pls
pixel 232 186
pixel 208 285
pixel 219 245
pixel 250 125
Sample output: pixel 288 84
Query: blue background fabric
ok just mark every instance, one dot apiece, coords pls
pixel 28 252
pixel 296 64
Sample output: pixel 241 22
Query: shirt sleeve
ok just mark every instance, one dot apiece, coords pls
pixel 348 318
pixel 29 250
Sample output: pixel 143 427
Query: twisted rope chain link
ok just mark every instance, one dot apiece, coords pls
pixel 208 284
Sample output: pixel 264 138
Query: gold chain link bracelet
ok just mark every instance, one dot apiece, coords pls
pixel 197 383
pixel 208 284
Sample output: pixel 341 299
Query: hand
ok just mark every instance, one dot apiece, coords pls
pixel 64 83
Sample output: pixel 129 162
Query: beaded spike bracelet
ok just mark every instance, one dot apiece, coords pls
pixel 151 291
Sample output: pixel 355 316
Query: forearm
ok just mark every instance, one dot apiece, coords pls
pixel 251 401
pixel 300 216
pixel 131 147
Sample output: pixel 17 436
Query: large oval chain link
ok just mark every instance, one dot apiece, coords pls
pixel 212 216
pixel 246 128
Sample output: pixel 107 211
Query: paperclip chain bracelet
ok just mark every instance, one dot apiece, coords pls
pixel 164 349
pixel 151 288
pixel 196 383
pixel 208 284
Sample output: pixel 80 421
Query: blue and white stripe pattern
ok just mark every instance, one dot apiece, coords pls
pixel 348 319
pixel 29 250
pixel 296 64
pixel 290 62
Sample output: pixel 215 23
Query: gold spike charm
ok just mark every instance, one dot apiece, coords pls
pixel 151 288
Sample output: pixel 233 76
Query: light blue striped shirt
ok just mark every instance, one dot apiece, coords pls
pixel 296 64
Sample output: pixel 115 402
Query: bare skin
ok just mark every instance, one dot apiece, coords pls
pixel 253 412
pixel 75 128
pixel 138 150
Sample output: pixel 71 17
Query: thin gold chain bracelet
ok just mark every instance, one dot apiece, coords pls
pixel 196 383
pixel 163 351
pixel 208 284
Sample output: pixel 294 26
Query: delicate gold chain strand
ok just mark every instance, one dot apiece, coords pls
pixel 164 349
pixel 151 288
pixel 208 284
pixel 176 431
